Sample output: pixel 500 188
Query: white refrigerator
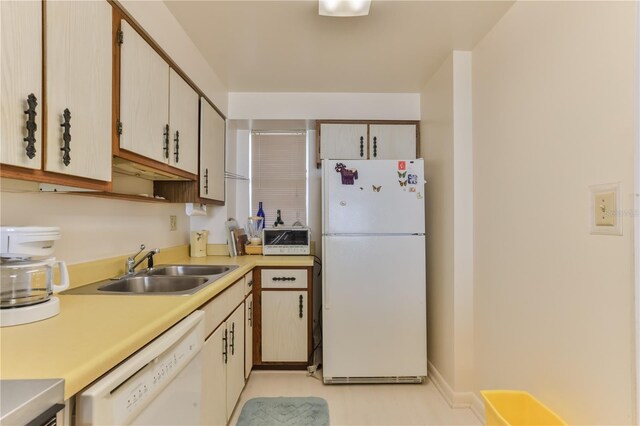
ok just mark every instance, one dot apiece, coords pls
pixel 373 288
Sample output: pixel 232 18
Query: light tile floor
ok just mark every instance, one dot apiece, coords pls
pixel 360 404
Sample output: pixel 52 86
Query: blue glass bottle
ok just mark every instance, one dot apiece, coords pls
pixel 261 213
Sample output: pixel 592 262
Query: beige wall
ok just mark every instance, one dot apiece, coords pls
pixel 553 104
pixel 446 133
pixel 436 133
pixel 96 228
pixel 162 26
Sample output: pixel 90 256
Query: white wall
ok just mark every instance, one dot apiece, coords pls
pixel 318 106
pixel 553 113
pixel 447 148
pixel 96 228
pixel 165 30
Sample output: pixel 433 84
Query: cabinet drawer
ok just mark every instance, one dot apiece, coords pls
pixel 215 311
pixel 284 278
pixel 219 308
pixel 248 283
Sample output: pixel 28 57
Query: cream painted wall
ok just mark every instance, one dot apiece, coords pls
pixel 164 29
pixel 96 228
pixel 436 131
pixel 318 106
pixel 553 105
pixel 447 148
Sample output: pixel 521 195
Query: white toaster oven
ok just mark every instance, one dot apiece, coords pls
pixel 282 241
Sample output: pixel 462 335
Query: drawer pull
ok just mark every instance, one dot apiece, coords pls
pixel 301 306
pixel 224 349
pixel 165 141
pixel 32 126
pixel 177 146
pixel 284 278
pixel 233 337
pixel 66 137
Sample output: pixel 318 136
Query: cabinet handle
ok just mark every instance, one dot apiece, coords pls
pixel 233 337
pixel 224 349
pixel 206 181
pixel 301 306
pixel 32 126
pixel 177 151
pixel 361 146
pixel 165 141
pixel 375 146
pixel 284 278
pixel 251 313
pixel 66 137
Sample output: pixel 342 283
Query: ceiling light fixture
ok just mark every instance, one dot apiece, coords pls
pixel 344 8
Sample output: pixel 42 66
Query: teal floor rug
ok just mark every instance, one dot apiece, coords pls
pixel 289 411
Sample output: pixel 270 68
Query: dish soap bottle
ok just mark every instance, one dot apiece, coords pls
pixel 261 213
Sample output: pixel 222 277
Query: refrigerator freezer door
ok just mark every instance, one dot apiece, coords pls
pixel 387 197
pixel 374 307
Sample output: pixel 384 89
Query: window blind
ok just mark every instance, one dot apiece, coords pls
pixel 279 176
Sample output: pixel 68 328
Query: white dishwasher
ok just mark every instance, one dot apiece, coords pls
pixel 161 384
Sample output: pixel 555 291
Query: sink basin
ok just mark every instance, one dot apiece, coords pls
pixel 154 285
pixel 181 270
pixel 170 280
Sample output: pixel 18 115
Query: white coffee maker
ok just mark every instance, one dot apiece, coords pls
pixel 27 274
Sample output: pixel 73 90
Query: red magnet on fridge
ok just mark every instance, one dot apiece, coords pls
pixel 402 165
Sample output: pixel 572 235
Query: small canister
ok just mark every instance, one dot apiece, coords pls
pixel 199 240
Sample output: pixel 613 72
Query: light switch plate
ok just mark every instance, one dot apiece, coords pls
pixel 605 206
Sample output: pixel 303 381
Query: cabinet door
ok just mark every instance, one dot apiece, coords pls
pixel 144 97
pixel 183 124
pixel 235 366
pixel 392 141
pixel 248 341
pixel 214 389
pixel 284 326
pixel 343 141
pixel 21 57
pixel 78 64
pixel 212 152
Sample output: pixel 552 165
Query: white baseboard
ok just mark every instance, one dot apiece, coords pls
pixel 453 398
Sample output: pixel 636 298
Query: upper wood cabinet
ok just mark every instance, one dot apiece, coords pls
pixel 144 98
pixel 367 140
pixel 346 141
pixel 21 63
pixel 183 124
pixel 212 161
pixel 158 109
pixel 78 76
pixel 392 141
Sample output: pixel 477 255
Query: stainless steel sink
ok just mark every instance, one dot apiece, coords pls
pixel 181 270
pixel 170 280
pixel 154 285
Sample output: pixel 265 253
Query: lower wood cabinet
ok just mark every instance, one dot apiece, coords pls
pixel 223 355
pixel 284 326
pixel 284 317
pixel 248 330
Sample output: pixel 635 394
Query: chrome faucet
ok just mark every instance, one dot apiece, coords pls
pixel 131 261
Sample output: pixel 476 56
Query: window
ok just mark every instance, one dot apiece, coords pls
pixel 279 176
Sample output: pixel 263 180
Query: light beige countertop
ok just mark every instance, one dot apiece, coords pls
pixel 94 333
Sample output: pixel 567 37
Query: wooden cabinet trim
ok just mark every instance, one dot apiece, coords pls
pixel 257 315
pixel 319 124
pixel 122 14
